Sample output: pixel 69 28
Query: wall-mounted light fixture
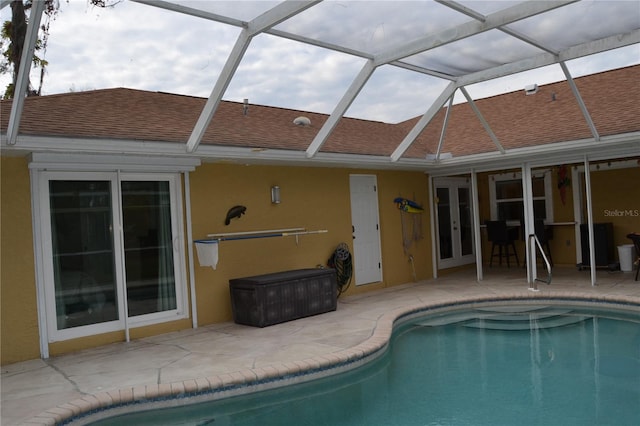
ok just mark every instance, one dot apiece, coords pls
pixel 275 194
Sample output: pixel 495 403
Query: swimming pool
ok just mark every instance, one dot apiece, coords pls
pixel 490 365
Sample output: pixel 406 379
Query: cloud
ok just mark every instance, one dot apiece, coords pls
pixel 138 46
pixel 372 26
pixel 394 94
pixel 581 22
pixel 279 72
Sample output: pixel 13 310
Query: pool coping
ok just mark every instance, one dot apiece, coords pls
pixel 91 408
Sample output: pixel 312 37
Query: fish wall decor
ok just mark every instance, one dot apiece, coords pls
pixel 234 212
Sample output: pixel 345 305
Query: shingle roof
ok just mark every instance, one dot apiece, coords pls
pixel 612 99
pixel 551 115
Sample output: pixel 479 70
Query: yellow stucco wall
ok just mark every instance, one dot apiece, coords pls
pixel 313 198
pixel 616 199
pixel 19 318
pixel 563 244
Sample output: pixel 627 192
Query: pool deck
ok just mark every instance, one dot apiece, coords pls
pixel 46 391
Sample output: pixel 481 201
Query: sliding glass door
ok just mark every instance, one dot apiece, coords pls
pixel 83 257
pixel 148 247
pixel 111 256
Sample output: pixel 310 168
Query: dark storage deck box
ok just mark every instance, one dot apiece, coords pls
pixel 283 296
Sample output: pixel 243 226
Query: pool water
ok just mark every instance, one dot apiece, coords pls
pixel 519 365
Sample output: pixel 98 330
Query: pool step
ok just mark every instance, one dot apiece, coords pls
pixel 456 317
pixel 524 323
pixel 509 318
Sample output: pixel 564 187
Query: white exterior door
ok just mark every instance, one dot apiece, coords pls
pixel 454 222
pixel 366 229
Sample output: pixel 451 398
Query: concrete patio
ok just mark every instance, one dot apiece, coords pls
pixel 46 391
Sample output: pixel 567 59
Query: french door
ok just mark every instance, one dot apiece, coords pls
pixel 454 222
pixel 111 252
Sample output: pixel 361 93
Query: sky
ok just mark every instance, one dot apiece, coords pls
pixel 143 47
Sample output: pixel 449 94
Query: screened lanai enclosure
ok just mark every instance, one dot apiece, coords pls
pixel 400 62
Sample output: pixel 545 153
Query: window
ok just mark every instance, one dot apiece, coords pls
pixel 507 197
pixel 110 256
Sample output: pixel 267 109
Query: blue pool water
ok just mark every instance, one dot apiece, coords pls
pixel 520 365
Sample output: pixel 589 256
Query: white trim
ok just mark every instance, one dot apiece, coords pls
pixel 611 165
pixel 513 176
pixel 609 147
pixel 190 258
pixel 47 316
pixel 53 334
pixel 576 184
pixel 121 272
pixel 592 251
pixel 527 199
pixel 107 162
pixel 432 220
pixel 177 221
pixel 452 184
pixel 39 271
pixel 475 205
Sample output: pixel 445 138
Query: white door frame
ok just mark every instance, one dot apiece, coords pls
pixel 457 259
pixel 366 229
pixel 49 332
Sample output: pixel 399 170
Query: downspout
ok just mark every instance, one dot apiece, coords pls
pixel 192 280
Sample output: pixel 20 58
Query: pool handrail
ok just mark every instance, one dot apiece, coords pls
pixel 546 261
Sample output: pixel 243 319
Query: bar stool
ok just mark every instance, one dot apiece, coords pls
pixel 499 235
